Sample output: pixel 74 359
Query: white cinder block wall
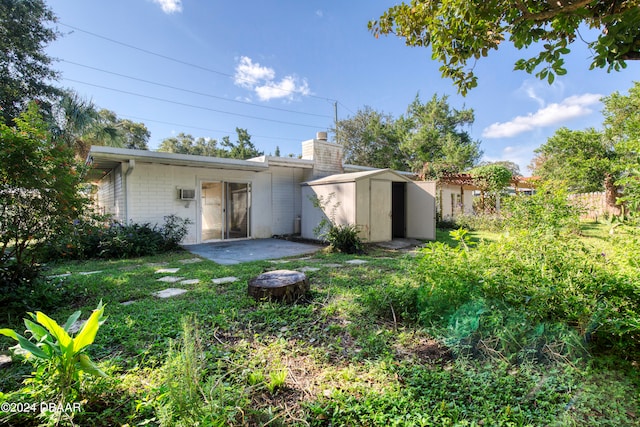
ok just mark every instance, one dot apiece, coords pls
pixel 153 193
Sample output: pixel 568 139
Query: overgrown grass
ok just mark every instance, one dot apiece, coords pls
pixel 357 351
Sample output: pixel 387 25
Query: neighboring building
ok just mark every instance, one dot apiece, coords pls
pixel 257 198
pixel 454 194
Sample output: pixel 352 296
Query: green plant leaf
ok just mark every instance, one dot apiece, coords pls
pixel 9 333
pixel 64 340
pixel 32 348
pixel 87 335
pixel 89 367
pixel 36 330
pixel 71 320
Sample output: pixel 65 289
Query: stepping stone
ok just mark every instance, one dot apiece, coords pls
pixel 356 261
pixel 332 265
pixel 307 269
pixel 4 359
pixel 58 276
pixel 281 285
pixel 190 260
pixel 190 282
pixel 87 273
pixel 279 261
pixel 170 279
pixel 223 280
pixel 169 292
pixel 127 303
pixel 167 270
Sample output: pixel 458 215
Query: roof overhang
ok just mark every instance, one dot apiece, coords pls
pixel 102 160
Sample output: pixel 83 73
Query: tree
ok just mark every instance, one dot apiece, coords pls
pixel 491 179
pixel 429 137
pixel 578 161
pixel 432 133
pixel 187 144
pixel 277 153
pixel 371 138
pixel 513 167
pixel 622 130
pixel 24 65
pixel 460 32
pixel 80 125
pixel 39 187
pixel 243 148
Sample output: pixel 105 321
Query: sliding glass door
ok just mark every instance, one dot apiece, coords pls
pixel 225 210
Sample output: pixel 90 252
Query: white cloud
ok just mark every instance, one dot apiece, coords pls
pixel 249 75
pixel 170 6
pixel 553 114
pixel 285 88
pixel 319 13
pixel 262 80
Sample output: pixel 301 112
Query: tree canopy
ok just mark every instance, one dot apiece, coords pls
pixel 24 65
pixel 39 186
pixel 371 138
pixel 186 144
pixel 429 133
pixel 593 160
pixel 460 32
pixel 80 124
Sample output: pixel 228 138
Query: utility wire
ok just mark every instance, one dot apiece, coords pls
pixel 193 91
pixel 201 128
pixel 179 61
pixel 191 105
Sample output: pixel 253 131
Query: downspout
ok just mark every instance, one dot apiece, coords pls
pixel 130 168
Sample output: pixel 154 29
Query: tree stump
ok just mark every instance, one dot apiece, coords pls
pixel 279 285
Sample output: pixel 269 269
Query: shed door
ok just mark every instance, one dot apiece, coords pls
pixel 421 210
pixel 380 211
pixel 398 213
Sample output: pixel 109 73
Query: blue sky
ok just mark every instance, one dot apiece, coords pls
pixel 276 68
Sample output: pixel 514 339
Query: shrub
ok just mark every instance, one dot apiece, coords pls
pixel 341 237
pixel 100 237
pixel 542 297
pixel 23 288
pixel 546 211
pixel 344 238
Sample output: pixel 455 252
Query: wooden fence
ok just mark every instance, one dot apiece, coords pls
pixel 593 205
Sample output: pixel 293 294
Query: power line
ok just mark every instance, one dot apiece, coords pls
pixel 193 91
pixel 179 61
pixel 201 128
pixel 191 105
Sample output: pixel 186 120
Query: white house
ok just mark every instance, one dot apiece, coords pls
pixel 257 198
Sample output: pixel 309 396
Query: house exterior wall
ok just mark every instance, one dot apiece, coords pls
pixel 461 197
pixel 344 213
pixel 153 193
pixel 110 196
pixel 286 198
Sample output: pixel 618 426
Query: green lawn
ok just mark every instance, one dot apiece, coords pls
pixel 352 353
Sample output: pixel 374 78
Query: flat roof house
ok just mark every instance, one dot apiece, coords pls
pixel 261 197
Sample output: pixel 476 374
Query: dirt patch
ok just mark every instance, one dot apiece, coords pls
pixel 424 349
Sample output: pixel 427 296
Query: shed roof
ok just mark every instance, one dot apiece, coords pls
pixel 357 176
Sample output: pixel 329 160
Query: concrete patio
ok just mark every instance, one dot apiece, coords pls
pixel 237 251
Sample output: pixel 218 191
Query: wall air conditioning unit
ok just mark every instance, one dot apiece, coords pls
pixel 187 194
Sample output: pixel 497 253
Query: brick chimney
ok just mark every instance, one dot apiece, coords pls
pixel 327 156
